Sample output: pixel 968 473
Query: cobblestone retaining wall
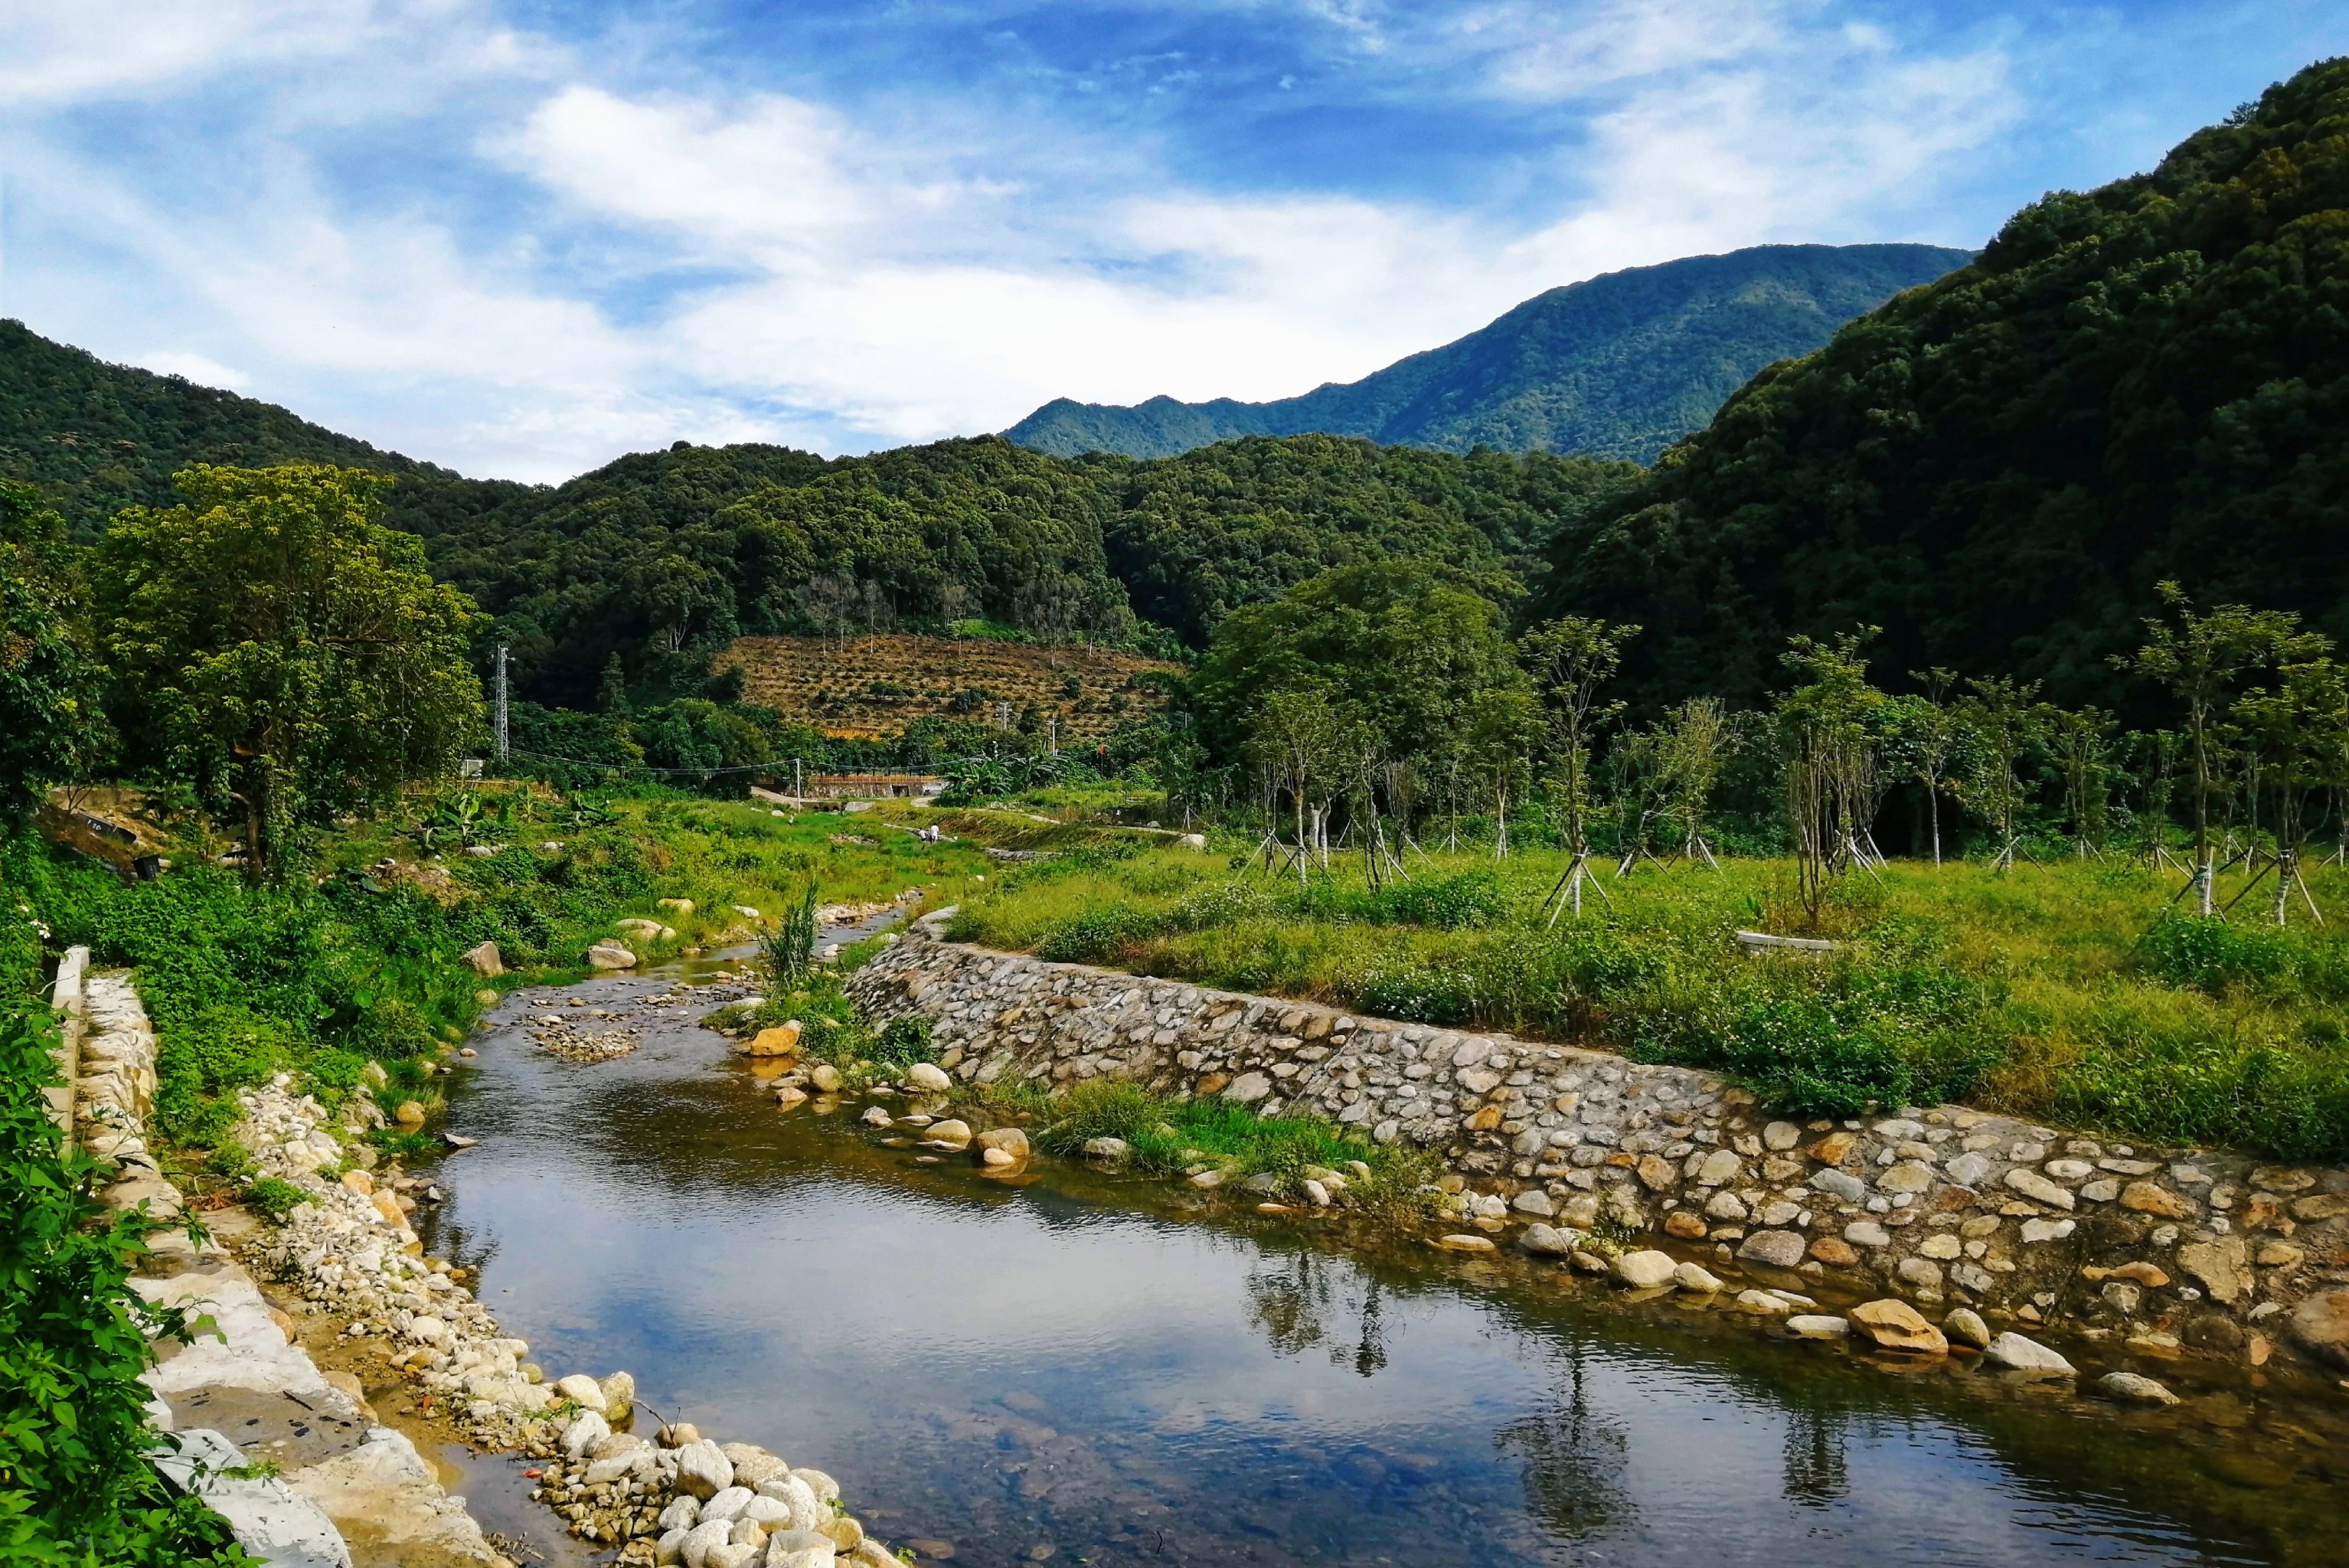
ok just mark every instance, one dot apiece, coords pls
pixel 2164 1248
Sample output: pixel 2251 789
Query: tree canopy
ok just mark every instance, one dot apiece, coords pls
pixel 2146 381
pixel 278 647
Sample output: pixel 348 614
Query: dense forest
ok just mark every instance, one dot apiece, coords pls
pixel 2143 382
pixel 1616 367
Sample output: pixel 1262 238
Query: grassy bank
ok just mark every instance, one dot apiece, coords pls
pixel 2073 992
pixel 359 958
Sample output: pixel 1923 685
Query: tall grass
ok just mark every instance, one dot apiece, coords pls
pixel 2067 992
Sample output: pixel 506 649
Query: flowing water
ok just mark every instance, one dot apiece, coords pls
pixel 1076 1368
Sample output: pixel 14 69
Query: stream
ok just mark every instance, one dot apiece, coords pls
pixel 1095 1369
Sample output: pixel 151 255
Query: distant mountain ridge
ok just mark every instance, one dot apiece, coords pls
pixel 1620 366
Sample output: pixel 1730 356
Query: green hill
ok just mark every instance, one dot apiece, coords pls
pixel 2146 381
pixel 661 558
pixel 1618 367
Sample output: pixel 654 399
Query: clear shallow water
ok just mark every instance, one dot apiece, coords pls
pixel 1070 1363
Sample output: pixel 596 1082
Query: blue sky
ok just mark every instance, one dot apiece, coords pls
pixel 520 238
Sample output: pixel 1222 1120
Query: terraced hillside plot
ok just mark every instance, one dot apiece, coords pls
pixel 877 684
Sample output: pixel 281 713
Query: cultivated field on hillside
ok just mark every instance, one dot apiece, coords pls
pixel 877 684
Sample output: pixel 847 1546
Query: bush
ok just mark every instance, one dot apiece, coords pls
pixel 75 1484
pixel 275 1197
pixel 2212 956
pixel 905 1041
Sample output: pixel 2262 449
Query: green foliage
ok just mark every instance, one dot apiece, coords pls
pixel 2142 382
pixel 278 649
pixel 275 1198
pixel 49 722
pixel 1618 365
pixel 905 1041
pixel 76 1490
pixel 791 947
pixel 2215 957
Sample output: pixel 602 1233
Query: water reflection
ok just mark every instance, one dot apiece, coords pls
pixel 1072 1364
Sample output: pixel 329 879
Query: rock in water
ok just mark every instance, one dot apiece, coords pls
pixel 1008 1141
pixel 950 1134
pixel 2134 1389
pixel 1105 1148
pixel 610 955
pixel 1549 1240
pixel 619 1396
pixel 581 1389
pixel 826 1078
pixel 2321 1324
pixel 1894 1325
pixel 1690 1277
pixel 1646 1270
pixel 2016 1353
pixel 929 1078
pixel 703 1471
pixel 1815 1326
pixel 1773 1249
pixel 782 1041
pixel 1966 1328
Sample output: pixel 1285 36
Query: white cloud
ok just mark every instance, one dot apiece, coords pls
pixel 665 263
pixel 195 367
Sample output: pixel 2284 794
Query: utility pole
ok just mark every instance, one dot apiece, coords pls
pixel 1052 734
pixel 503 740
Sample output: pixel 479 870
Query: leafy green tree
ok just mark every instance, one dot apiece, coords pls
pixel 1571 659
pixel 1829 725
pixel 49 718
pixel 1402 646
pixel 2081 741
pixel 1922 739
pixel 2298 728
pixel 2199 657
pixel 275 645
pixel 2002 722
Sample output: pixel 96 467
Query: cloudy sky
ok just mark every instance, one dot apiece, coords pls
pixel 519 237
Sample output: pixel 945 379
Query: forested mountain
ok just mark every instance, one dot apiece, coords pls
pixel 660 558
pixel 1617 366
pixel 2146 381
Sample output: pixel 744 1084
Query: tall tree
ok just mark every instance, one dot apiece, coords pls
pixel 1830 724
pixel 1572 658
pixel 275 645
pixel 50 720
pixel 2003 721
pixel 2199 658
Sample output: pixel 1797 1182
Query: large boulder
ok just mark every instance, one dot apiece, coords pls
pixel 1894 1325
pixel 1008 1141
pixel 2320 1327
pixel 782 1040
pixel 610 955
pixel 1772 1249
pixel 703 1471
pixel 929 1078
pixel 2014 1353
pixel 485 959
pixel 1646 1270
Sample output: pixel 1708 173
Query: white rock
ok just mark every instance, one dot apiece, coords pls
pixel 826 1489
pixel 1690 1277
pixel 682 1514
pixel 1764 1303
pixel 770 1511
pixel 805 1510
pixel 584 1433
pixel 2137 1389
pixel 929 1078
pixel 1646 1270
pixel 801 1549
pixel 581 1389
pixel 732 1555
pixel 702 1469
pixel 2016 1354
pixel 695 1549
pixel 1813 1325
pixel 670 1548
pixel 727 1503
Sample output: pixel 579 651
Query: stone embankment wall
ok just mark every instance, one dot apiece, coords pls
pixel 346 1490
pixel 2165 1248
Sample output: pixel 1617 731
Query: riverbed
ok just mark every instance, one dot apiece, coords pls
pixel 1093 1369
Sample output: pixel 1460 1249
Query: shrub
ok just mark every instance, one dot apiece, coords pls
pixel 275 1197
pixel 2212 956
pixel 905 1041
pixel 75 1484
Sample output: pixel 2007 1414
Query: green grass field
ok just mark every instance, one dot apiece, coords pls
pixel 2074 992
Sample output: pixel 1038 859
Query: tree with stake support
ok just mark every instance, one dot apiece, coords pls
pixel 1571 658
pixel 2198 657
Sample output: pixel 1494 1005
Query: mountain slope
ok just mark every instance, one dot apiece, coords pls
pixel 2146 381
pixel 1618 367
pixel 96 437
